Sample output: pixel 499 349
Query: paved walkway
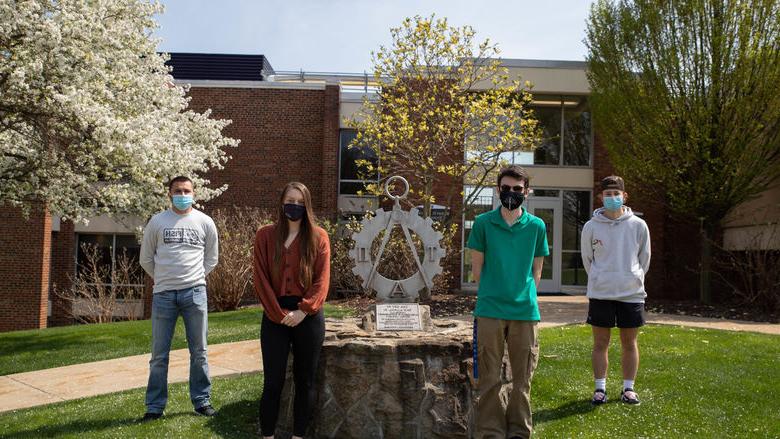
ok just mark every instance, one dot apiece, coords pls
pixel 562 310
pixel 28 389
pixel 40 387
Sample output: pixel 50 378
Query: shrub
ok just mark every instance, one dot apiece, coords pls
pixel 101 293
pixel 231 280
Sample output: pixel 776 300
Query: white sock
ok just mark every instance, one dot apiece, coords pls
pixel 601 383
pixel 628 384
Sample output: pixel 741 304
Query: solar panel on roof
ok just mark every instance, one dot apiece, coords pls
pixel 212 66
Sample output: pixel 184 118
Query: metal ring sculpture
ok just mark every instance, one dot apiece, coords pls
pixel 397 290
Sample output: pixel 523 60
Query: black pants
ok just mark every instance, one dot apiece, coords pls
pixel 275 341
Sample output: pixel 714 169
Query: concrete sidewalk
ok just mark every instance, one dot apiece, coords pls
pixel 40 387
pixel 559 310
pixel 29 389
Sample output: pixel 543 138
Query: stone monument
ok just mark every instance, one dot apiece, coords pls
pixel 397 373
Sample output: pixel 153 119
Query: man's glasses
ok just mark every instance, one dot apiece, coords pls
pixel 507 188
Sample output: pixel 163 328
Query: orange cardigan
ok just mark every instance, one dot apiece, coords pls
pixel 269 286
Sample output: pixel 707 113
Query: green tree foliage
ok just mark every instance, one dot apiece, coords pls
pixel 685 95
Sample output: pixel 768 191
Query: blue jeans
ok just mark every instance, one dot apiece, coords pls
pixel 191 304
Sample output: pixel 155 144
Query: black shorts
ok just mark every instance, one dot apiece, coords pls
pixel 611 313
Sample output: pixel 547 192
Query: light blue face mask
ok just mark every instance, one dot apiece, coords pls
pixel 182 202
pixel 613 203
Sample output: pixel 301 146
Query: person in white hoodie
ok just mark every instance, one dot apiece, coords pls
pixel 616 254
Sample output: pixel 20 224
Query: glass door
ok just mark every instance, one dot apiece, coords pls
pixel 550 212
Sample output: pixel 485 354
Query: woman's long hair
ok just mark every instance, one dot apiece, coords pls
pixel 306 235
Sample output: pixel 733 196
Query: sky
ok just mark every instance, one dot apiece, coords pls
pixel 339 35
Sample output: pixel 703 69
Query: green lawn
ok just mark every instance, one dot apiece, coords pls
pixel 116 415
pixel 24 351
pixel 693 383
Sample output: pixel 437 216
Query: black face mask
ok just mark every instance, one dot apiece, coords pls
pixel 294 212
pixel 511 200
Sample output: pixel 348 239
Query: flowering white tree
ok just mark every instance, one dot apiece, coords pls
pixel 90 119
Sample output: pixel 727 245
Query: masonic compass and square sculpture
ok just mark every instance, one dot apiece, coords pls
pixel 397 299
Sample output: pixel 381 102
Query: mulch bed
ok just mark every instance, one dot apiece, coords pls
pixel 729 311
pixel 445 305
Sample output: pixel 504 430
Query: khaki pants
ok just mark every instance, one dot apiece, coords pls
pixel 493 419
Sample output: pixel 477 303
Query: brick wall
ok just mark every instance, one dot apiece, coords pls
pixel 24 268
pixel 330 153
pixel 63 266
pixel 286 135
pixel 680 258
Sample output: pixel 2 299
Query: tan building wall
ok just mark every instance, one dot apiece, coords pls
pixel 548 77
pixel 756 223
pixel 106 224
pixel 560 177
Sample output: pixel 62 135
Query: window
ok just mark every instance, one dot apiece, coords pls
pixel 549 151
pixel 576 212
pixel 351 181
pixel 110 249
pixel 566 127
pixel 577 135
pixel 566 133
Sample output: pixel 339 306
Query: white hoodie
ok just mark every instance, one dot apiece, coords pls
pixel 616 255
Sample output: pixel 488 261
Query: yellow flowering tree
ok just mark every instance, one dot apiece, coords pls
pixel 446 112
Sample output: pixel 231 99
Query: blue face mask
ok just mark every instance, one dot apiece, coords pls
pixel 182 202
pixel 613 203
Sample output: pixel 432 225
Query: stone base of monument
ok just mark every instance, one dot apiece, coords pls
pixel 390 384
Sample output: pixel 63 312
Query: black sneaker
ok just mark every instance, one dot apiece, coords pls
pixel 206 410
pixel 149 416
pixel 629 396
pixel 599 397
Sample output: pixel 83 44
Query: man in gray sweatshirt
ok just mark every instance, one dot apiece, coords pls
pixel 616 253
pixel 179 249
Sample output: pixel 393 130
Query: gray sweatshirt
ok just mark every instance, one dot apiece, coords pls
pixel 616 255
pixel 178 251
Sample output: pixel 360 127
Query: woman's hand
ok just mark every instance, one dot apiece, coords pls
pixel 293 318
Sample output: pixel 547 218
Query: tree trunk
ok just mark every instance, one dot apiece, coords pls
pixel 705 264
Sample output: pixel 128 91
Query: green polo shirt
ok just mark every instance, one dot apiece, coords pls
pixel 506 288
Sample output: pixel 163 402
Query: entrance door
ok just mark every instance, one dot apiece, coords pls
pixel 550 212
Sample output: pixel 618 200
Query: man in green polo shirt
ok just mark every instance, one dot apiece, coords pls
pixel 508 248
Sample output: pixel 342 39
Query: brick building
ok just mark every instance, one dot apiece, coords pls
pixel 291 127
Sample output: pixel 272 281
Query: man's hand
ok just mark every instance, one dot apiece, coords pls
pixel 477 260
pixel 537 269
pixel 293 318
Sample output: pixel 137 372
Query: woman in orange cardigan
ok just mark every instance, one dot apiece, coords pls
pixel 291 279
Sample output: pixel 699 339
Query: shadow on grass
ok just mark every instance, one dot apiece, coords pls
pixel 571 408
pixel 81 426
pixel 236 420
